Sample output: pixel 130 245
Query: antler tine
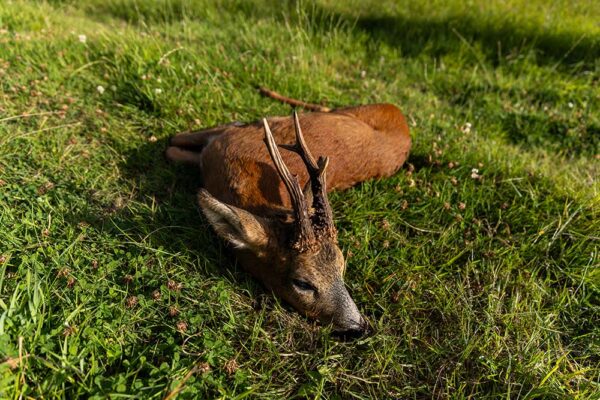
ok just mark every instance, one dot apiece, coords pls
pixel 304 235
pixel 300 146
pixel 323 216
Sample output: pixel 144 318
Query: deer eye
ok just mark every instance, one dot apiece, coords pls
pixel 303 285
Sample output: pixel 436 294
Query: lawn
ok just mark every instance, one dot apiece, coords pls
pixel 477 264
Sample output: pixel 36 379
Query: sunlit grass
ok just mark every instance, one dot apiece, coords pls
pixel 477 264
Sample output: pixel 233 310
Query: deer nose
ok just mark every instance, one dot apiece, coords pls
pixel 357 330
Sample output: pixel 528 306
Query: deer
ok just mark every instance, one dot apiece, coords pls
pixel 271 206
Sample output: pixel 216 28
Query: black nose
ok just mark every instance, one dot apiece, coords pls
pixel 354 333
pixel 349 335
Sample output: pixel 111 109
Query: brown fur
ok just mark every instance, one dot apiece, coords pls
pixel 361 142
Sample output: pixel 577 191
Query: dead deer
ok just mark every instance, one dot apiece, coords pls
pixel 254 199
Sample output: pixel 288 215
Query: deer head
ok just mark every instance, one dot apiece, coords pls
pixel 299 260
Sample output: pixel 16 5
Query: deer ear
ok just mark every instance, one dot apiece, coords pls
pixel 238 227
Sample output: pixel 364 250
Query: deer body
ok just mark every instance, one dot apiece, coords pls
pixel 247 199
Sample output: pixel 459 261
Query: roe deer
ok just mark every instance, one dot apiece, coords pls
pixel 284 235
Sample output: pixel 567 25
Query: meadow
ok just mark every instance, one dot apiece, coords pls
pixel 476 265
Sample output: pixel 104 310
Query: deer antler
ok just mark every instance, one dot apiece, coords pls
pixel 322 219
pixel 304 236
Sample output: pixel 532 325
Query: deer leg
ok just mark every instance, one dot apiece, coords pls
pixel 177 154
pixel 195 139
pixel 199 139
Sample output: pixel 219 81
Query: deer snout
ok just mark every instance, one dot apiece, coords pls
pixel 355 330
pixel 352 333
pixel 347 321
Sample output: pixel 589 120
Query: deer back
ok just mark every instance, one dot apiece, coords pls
pixel 361 142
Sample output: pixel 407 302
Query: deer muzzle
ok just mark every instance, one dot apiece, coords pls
pixel 347 320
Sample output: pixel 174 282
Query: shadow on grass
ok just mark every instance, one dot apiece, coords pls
pixel 437 37
pixel 532 130
pixel 415 36
pixel 173 188
pixel 559 132
pixel 177 225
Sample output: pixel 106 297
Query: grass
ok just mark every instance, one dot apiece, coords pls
pixel 480 284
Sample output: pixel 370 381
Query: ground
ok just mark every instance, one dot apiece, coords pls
pixel 477 264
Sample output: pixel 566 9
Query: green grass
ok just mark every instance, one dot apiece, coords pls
pixel 112 284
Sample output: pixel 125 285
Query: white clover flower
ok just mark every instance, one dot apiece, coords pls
pixel 466 127
pixel 100 89
pixel 82 38
pixel 158 90
pixel 571 105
